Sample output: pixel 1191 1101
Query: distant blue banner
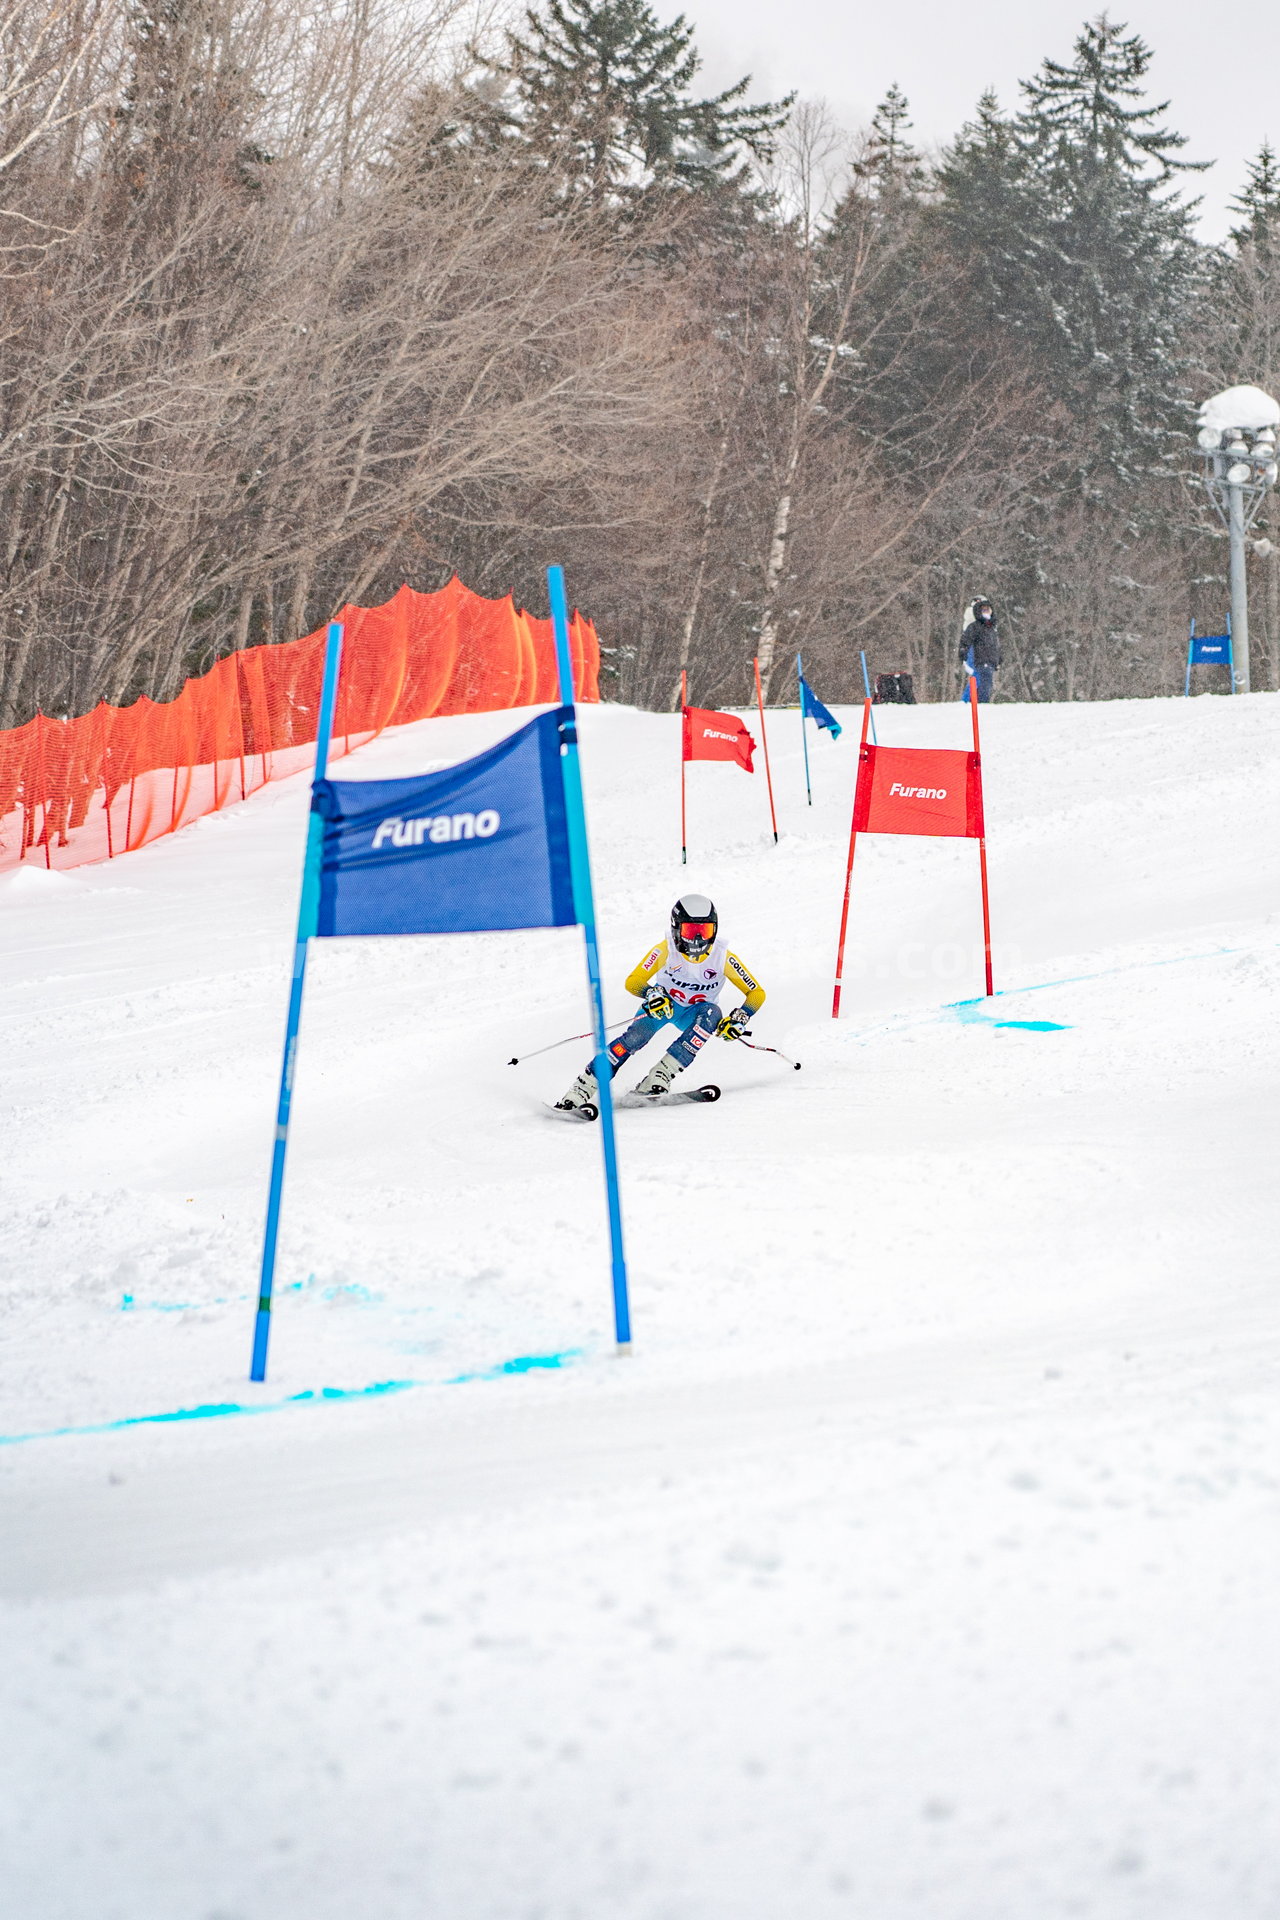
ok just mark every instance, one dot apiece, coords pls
pixel 1210 649
pixel 481 846
pixel 811 708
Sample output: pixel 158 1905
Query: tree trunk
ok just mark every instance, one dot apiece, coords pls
pixel 777 563
pixel 298 604
pixel 704 550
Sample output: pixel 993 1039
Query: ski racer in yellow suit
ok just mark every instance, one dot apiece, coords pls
pixel 679 982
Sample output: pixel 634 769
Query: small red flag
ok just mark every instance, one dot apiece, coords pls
pixel 929 790
pixel 717 736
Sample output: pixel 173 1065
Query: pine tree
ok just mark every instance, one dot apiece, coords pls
pixel 188 107
pixel 1259 202
pixel 602 90
pixel 890 166
pixel 1081 110
pixel 1064 215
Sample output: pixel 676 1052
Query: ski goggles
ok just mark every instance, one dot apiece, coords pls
pixel 697 932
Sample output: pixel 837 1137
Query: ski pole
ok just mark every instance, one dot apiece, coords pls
pixel 516 1059
pixel 756 1047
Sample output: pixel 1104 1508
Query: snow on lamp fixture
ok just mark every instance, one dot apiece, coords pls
pixel 1210 439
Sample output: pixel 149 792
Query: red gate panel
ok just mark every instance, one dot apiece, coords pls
pixel 929 790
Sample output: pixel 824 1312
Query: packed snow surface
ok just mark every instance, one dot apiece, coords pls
pixel 921 1561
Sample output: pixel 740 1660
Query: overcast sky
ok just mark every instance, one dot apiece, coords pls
pixel 1218 65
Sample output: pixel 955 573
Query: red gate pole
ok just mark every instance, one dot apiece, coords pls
pixel 764 740
pixel 684 706
pixel 982 842
pixel 848 877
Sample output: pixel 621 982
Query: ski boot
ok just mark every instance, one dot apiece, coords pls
pixel 659 1077
pixel 583 1096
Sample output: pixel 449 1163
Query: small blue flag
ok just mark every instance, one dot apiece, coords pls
pixel 482 845
pixel 811 708
pixel 1208 648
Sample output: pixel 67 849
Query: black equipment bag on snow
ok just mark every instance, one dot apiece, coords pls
pixel 894 689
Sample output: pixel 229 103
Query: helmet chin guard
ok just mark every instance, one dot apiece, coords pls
pixel 694 925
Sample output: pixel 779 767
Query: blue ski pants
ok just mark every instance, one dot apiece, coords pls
pixel 986 679
pixel 695 1027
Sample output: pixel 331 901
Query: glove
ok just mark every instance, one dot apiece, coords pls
pixel 657 1003
pixel 734 1024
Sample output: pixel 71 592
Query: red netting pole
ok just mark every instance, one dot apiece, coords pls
pixel 106 775
pixel 42 723
pixel 133 781
pixel 240 717
pixel 848 876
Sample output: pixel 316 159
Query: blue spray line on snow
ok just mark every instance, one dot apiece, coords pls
pixel 970 1014
pixel 347 1291
pixel 526 1363
pixel 955 1008
pixel 313 1396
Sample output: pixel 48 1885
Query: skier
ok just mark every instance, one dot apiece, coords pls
pixel 678 983
pixel 980 648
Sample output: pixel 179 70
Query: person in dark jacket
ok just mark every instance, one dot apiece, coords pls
pixel 980 649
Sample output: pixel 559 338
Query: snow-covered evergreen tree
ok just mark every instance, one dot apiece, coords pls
pixel 1068 214
pixel 889 166
pixel 1258 202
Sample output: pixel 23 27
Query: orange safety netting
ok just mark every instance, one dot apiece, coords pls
pixel 74 791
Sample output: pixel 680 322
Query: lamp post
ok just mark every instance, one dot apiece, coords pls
pixel 1238 439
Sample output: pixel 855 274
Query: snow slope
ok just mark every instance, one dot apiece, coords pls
pixel 920 1563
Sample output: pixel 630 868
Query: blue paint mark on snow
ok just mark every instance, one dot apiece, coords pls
pixel 973 1013
pixel 347 1290
pixel 957 1008
pixel 227 1409
pixel 526 1363
pixel 128 1304
pixel 216 1410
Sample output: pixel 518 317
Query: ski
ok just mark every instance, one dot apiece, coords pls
pixel 679 1096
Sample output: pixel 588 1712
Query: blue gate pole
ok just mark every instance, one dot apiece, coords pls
pixel 804 731
pixel 1191 647
pixel 308 911
pixel 866 687
pixel 585 909
pixel 1231 656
